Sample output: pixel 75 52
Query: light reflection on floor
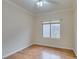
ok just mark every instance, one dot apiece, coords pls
pixel 39 52
pixel 46 55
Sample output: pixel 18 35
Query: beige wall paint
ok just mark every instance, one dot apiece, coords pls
pixel 17 28
pixel 75 33
pixel 66 40
pixel 75 27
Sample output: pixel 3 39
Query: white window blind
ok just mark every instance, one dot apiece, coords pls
pixel 51 29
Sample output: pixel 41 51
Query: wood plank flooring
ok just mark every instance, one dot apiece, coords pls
pixel 43 52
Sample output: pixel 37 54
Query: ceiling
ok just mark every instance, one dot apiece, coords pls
pixel 54 5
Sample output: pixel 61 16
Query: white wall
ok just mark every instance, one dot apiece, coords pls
pixel 75 33
pixel 17 28
pixel 66 40
pixel 75 27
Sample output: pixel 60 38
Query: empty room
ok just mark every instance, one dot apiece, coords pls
pixel 39 29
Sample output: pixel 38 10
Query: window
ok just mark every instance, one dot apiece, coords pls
pixel 55 30
pixel 51 29
pixel 46 30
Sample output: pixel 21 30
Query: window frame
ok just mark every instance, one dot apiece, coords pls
pixel 50 30
pixel 59 33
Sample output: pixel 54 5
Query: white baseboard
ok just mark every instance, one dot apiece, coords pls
pixel 75 52
pixel 15 51
pixel 54 46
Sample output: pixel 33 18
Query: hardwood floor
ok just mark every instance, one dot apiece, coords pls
pixel 43 52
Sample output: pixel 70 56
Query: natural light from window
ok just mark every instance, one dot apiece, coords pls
pixel 51 29
pixel 46 55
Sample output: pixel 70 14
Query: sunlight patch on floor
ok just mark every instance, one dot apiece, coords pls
pixel 46 55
